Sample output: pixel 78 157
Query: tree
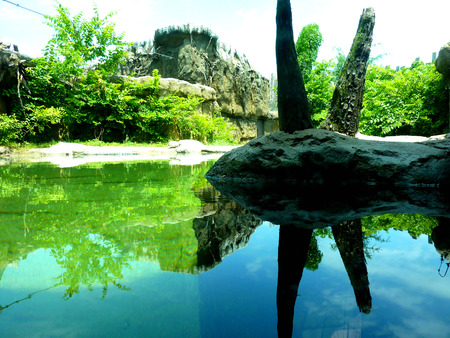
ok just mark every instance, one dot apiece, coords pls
pixel 346 104
pixel 307 47
pixel 80 42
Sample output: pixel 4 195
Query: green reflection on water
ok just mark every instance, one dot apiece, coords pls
pixel 97 218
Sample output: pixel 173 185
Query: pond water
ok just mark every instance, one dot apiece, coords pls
pixel 149 249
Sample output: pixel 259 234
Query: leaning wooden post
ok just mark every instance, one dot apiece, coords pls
pixel 293 112
pixel 346 104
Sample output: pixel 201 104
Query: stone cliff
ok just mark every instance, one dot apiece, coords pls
pixel 197 56
pixel 12 67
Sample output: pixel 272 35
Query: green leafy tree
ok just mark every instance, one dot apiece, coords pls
pixel 80 42
pixel 319 88
pixel 317 76
pixel 307 47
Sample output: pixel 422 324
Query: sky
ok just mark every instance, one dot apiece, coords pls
pixel 404 30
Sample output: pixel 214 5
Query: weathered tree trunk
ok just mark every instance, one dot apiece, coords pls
pixel 346 104
pixel 293 109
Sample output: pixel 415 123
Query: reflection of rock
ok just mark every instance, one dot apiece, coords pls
pixel 318 206
pixel 221 227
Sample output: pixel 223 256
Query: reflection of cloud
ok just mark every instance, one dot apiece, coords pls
pixel 399 296
pixel 410 264
pixel 421 327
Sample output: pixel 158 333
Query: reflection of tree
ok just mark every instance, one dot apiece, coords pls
pixel 293 247
pixel 349 240
pixel 314 256
pixel 95 218
pixel 90 261
pixel 297 248
pixel 414 224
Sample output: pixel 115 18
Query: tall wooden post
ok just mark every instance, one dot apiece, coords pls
pixel 293 109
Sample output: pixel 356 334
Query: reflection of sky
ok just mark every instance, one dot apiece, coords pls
pixel 409 298
pixel 238 297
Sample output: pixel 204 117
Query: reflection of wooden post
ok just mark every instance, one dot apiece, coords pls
pixel 292 254
pixel 346 104
pixel 349 240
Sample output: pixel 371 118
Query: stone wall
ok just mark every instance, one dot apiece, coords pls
pixel 197 56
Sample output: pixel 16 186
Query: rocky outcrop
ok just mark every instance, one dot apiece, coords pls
pixel 12 68
pixel 183 88
pixel 197 56
pixel 319 178
pixel 443 66
pixel 322 156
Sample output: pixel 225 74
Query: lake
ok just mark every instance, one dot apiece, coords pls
pixel 150 249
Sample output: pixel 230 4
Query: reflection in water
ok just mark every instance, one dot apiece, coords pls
pixel 293 249
pixel 349 240
pixel 299 207
pixel 97 219
pixel 294 244
pixel 221 227
pixel 441 239
pixel 97 222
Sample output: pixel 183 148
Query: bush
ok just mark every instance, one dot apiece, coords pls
pixel 410 101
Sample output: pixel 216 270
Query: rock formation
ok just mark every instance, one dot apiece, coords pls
pixel 197 56
pixel 12 68
pixel 303 175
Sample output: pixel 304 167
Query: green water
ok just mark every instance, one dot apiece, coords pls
pixel 149 249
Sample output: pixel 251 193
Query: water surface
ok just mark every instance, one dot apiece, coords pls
pixel 149 249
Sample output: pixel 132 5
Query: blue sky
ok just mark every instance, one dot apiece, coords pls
pixel 403 31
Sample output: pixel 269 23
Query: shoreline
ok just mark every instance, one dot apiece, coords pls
pixel 65 154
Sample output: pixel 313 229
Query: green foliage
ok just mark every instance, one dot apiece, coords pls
pixel 96 218
pixel 414 224
pixel 69 98
pixel 79 42
pixel 10 128
pixel 409 101
pixel 307 47
pixel 319 89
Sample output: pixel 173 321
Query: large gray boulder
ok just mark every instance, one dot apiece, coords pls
pixel 315 178
pixel 322 156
